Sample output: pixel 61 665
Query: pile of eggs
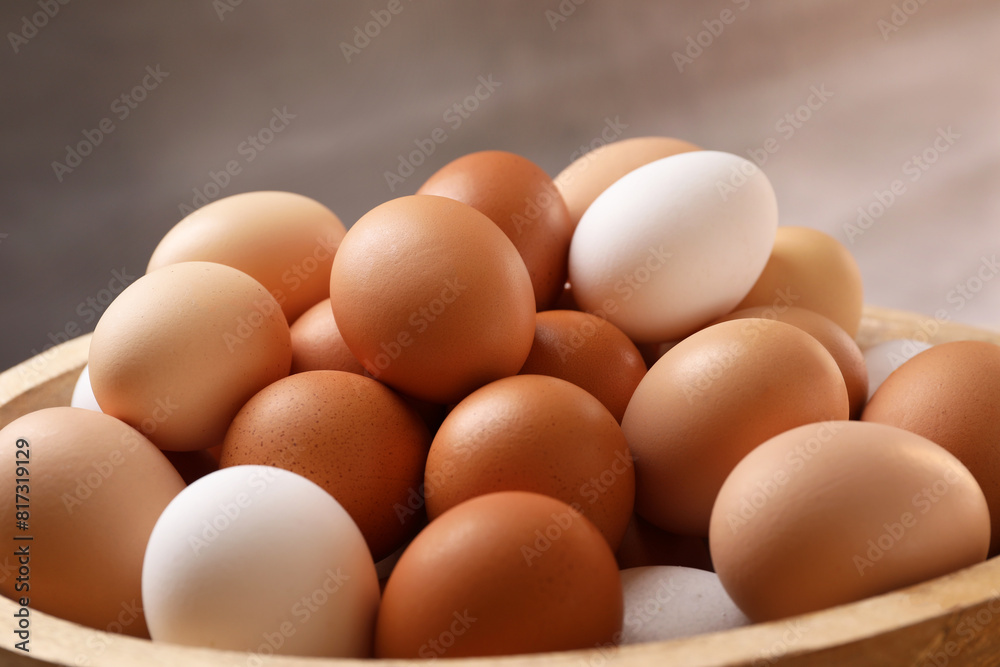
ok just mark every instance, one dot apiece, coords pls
pixel 507 414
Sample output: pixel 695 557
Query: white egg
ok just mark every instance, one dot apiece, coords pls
pixel 674 244
pixel 670 602
pixel 83 393
pixel 259 559
pixel 884 358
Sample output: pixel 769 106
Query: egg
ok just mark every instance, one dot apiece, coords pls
pixel 664 603
pixel 842 347
pixel 286 241
pixel 90 489
pixel 534 433
pixel 949 395
pixel 501 574
pixel 593 172
pixel 317 344
pixel 588 351
pixel 354 437
pixel 834 512
pixel 521 199
pixel 432 298
pixel 810 269
pixel 884 358
pixel 713 398
pixel 259 559
pixel 181 349
pixel 674 244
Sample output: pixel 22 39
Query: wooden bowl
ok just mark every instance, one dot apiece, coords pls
pixel 952 620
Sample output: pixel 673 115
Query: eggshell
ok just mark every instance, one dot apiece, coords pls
pixel 93 487
pixel 663 603
pixel 674 244
pixel 810 269
pixel 842 347
pixel 831 513
pixel 949 395
pixel 284 240
pixel 258 559
pixel 593 172
pixel 646 545
pixel 521 199
pixel 884 358
pixel 351 435
pixel 180 351
pixel 710 400
pixel 83 393
pixel 534 433
pixel 317 344
pixel 501 574
pixel 588 351
pixel 432 298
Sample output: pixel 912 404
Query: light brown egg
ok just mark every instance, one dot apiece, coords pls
pixel 588 351
pixel 843 348
pixel 92 489
pixel 521 199
pixel 950 394
pixel 317 344
pixel 810 269
pixel 349 434
pixel 432 298
pixel 645 545
pixel 590 174
pixel 501 574
pixel 710 400
pixel 534 433
pixel 285 241
pixel 831 513
pixel 180 351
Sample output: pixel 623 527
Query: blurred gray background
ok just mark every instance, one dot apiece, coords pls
pixel 901 91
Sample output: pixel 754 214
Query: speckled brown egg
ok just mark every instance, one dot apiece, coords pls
pixel 284 240
pixel 180 351
pixel 710 400
pixel 591 173
pixel 810 269
pixel 432 298
pixel 534 433
pixel 588 351
pixel 501 574
pixel 521 199
pixel 843 348
pixel 349 434
pixel 317 344
pixel 950 394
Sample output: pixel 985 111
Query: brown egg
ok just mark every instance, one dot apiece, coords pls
pixel 432 298
pixel 284 240
pixel 810 269
pixel 710 400
pixel 588 351
pixel 501 574
pixel 349 434
pixel 180 351
pixel 534 433
pixel 831 513
pixel 521 199
pixel 845 351
pixel 317 344
pixel 645 545
pixel 592 173
pixel 949 395
pixel 91 488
